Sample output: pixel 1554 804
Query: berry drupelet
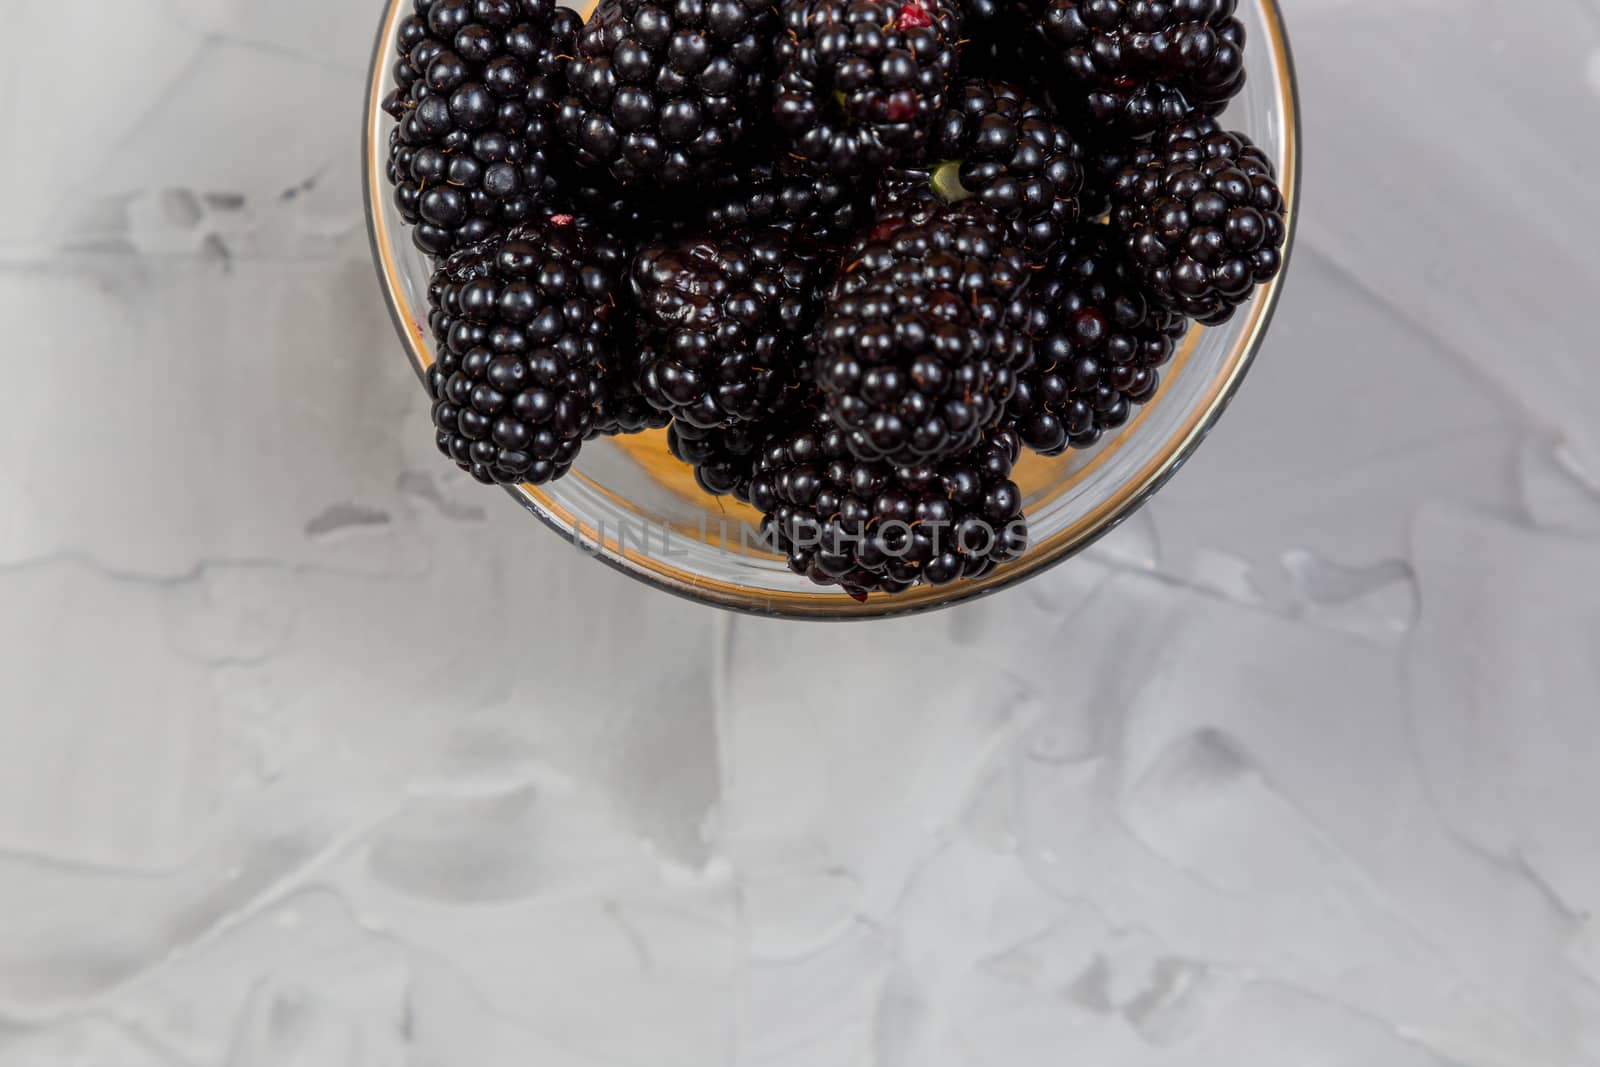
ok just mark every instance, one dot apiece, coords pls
pixel 722 321
pixel 476 84
pixel 861 83
pixel 1098 344
pixel 663 92
pixel 871 526
pixel 1202 219
pixel 521 327
pixel 921 339
pixel 1012 155
pixel 1127 66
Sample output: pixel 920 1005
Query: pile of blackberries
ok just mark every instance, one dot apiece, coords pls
pixel 854 254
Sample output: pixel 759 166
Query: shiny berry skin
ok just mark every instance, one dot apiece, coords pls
pixel 1098 345
pixel 723 459
pixel 663 93
pixel 1202 219
pixel 921 339
pixel 476 84
pixel 521 326
pixel 722 321
pixel 870 526
pixel 1012 155
pixel 784 193
pixel 861 83
pixel 1125 67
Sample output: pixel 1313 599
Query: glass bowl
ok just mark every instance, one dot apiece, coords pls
pixel 629 503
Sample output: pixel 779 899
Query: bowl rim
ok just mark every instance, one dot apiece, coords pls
pixel 822 603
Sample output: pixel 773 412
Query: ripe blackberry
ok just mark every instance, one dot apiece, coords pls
pixel 921 339
pixel 785 193
pixel 872 526
pixel 1128 66
pixel 661 93
pixel 862 82
pixel 624 410
pixel 1097 346
pixel 723 459
pixel 476 84
pixel 1202 219
pixel 1104 160
pixel 1012 155
pixel 722 321
pixel 522 328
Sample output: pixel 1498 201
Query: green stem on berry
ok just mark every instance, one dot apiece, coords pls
pixel 946 182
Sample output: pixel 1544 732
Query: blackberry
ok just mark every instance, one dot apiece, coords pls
pixel 921 339
pixel 861 83
pixel 1202 219
pixel 871 526
pixel 1011 154
pixel 522 329
pixel 624 410
pixel 722 321
pixel 1128 66
pixel 476 84
pixel 1104 160
pixel 661 93
pixel 1098 344
pixel 723 459
pixel 785 193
